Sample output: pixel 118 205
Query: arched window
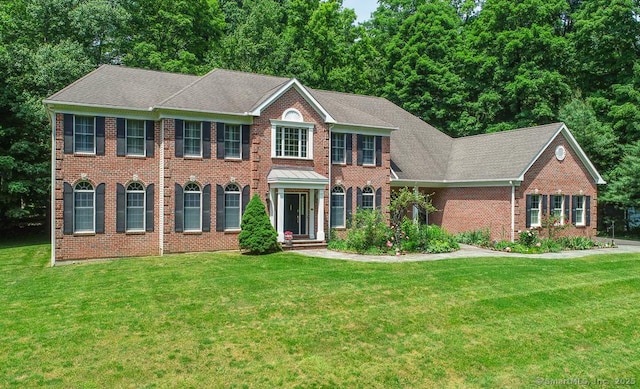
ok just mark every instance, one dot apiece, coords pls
pixel 368 198
pixel 84 207
pixel 337 207
pixel 232 207
pixel 135 207
pixel 192 207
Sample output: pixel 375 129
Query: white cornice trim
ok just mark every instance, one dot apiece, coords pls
pixel 454 184
pixel 360 129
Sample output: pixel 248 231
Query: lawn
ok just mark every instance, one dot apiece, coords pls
pixel 285 320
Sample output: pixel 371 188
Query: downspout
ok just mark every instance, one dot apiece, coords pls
pixel 52 212
pixel 513 210
pixel 329 194
pixel 161 192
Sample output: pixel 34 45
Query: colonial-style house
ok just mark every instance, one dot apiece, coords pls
pixel 147 163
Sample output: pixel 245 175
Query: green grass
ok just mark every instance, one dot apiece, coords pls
pixel 284 320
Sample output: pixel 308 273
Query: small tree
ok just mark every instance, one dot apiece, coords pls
pixel 401 202
pixel 258 235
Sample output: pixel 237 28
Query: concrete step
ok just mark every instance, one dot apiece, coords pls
pixel 304 244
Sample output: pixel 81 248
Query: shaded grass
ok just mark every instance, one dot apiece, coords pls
pixel 229 320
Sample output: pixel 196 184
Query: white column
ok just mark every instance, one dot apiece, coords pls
pixel 312 219
pixel 272 211
pixel 280 215
pixel 320 214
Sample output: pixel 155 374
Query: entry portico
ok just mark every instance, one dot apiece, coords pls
pixel 296 198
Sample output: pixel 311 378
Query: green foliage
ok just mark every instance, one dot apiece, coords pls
pixel 624 180
pixel 258 235
pixel 402 202
pixel 480 238
pixel 368 230
pixel 420 238
pixel 528 238
pixel 576 243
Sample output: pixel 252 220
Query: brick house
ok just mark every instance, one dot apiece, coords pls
pixel 147 163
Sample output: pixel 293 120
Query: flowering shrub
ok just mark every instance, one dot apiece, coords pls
pixel 528 238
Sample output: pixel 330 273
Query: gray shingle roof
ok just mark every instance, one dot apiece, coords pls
pixel 118 86
pixel 418 151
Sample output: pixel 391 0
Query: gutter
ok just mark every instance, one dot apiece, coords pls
pixel 328 234
pixel 513 211
pixel 52 116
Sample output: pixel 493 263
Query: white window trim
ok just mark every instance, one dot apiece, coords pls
pixel 184 143
pixel 562 207
pixel 239 193
pixel 539 209
pixel 185 229
pixel 144 138
pixel 93 191
pixel 239 127
pixel 344 149
pixel 144 208
pixel 583 222
pixel 371 194
pixel 374 151
pixel 276 124
pixel 95 140
pixel 344 207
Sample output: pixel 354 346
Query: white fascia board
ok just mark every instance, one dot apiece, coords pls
pixel 101 110
pixel 294 83
pixel 364 130
pixel 576 147
pixel 231 118
pixel 286 123
pixel 454 184
pixel 298 184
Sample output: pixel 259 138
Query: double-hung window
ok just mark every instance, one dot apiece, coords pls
pixel 192 207
pixel 232 145
pixel 135 211
pixel 135 137
pixel 338 145
pixel 84 134
pixel 192 139
pixel 232 207
pixel 579 218
pixel 292 142
pixel 337 207
pixel 84 207
pixel 368 198
pixel 368 150
pixel 535 210
pixel 557 208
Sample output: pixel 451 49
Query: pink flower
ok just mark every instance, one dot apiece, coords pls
pixel 389 244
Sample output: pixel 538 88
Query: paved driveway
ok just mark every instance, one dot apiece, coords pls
pixel 467 251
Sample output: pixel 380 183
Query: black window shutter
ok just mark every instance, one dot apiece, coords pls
pixel 150 137
pixel 567 198
pixel 220 141
pixel 150 206
pixel 379 198
pixel 378 151
pixel 219 208
pixel 68 135
pixel 544 206
pixel 359 148
pixel 528 212
pixel 574 208
pixel 206 208
pixel 246 138
pixel 121 142
pixel 349 148
pixel 245 197
pixel 348 206
pixel 67 205
pixel 179 143
pixel 206 140
pixel 358 198
pixel 100 209
pixel 179 209
pixel 587 210
pixel 120 208
pixel 100 135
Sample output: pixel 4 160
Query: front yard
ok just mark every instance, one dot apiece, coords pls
pixel 284 320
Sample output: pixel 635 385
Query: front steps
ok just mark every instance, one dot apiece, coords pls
pixel 304 244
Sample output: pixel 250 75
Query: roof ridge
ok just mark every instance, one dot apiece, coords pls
pixel 348 94
pixel 509 131
pixel 251 74
pixel 200 78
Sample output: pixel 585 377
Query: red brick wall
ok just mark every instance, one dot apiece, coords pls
pixel 110 170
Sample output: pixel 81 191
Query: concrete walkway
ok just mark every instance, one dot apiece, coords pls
pixel 466 251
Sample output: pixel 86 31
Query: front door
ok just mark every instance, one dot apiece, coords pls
pixel 295 205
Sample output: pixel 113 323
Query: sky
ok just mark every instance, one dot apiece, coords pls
pixel 363 8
